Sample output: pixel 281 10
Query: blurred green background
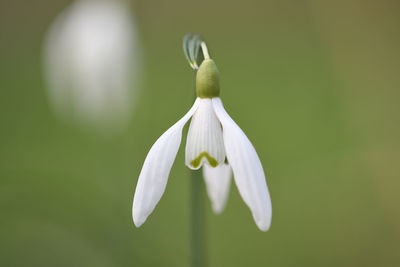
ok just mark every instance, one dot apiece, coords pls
pixel 314 85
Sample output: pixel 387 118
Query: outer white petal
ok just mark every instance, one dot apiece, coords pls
pixel 204 138
pixel 155 171
pixel 247 169
pixel 218 181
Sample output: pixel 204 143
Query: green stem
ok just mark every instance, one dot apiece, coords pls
pixel 198 257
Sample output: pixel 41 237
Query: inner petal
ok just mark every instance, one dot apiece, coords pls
pixel 204 141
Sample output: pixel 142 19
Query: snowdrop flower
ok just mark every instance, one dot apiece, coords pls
pixel 214 142
pixel 91 62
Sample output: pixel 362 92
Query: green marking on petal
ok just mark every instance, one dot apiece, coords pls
pixel 196 162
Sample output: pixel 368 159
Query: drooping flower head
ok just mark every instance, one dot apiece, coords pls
pixel 214 142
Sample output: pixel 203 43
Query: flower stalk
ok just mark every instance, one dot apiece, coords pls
pixel 198 218
pixel 204 50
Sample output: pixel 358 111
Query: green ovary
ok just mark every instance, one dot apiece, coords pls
pixel 207 80
pixel 196 162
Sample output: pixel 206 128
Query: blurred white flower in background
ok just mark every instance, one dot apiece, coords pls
pixel 91 63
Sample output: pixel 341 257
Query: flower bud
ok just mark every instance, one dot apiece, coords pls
pixel 207 80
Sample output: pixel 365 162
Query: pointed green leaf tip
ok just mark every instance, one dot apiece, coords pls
pixel 191 48
pixel 207 80
pixel 196 162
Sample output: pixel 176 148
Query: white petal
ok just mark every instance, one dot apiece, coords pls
pixel 157 165
pixel 204 141
pixel 247 169
pixel 218 181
